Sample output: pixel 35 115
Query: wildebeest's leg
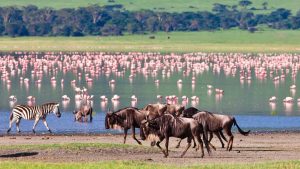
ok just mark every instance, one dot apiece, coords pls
pixel 157 144
pixel 125 134
pixel 17 124
pixel 167 146
pixel 200 143
pixel 133 135
pixel 230 141
pixel 210 136
pixel 45 123
pixel 10 124
pixel 35 123
pixel 178 144
pixel 219 137
pixel 194 143
pixel 189 140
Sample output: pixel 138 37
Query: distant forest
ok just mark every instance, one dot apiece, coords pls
pixel 114 20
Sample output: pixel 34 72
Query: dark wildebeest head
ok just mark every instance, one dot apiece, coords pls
pixel 149 129
pixel 189 112
pixel 113 121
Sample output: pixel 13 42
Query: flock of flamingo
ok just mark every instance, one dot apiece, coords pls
pixel 32 68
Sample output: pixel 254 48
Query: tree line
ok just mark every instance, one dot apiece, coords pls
pixel 115 20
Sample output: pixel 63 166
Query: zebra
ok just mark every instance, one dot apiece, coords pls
pixel 33 113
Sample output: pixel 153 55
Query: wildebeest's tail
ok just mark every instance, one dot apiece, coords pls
pixel 245 133
pixel 205 137
pixel 11 116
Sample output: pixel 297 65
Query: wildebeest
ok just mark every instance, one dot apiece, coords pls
pixel 189 112
pixel 174 109
pixel 84 112
pixel 217 122
pixel 167 126
pixel 155 110
pixel 126 118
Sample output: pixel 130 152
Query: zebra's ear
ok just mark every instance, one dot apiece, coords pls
pixel 57 104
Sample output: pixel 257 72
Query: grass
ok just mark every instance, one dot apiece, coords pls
pixel 157 5
pixel 72 146
pixel 218 41
pixel 144 165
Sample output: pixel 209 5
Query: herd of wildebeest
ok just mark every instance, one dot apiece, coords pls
pixel 158 122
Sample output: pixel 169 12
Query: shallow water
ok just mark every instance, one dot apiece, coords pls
pixel 248 100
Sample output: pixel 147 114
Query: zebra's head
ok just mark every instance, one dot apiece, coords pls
pixel 56 110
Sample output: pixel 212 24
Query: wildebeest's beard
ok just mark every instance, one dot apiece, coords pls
pixel 114 121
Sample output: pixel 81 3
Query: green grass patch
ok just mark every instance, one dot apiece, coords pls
pixel 73 146
pixel 157 5
pixel 144 165
pixel 179 42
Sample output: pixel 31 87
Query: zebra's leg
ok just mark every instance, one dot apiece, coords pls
pixel 17 124
pixel 46 124
pixel 10 124
pixel 35 123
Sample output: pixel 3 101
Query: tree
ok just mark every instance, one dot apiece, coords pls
pixel 245 3
pixel 265 5
pixel 219 8
pixel 110 29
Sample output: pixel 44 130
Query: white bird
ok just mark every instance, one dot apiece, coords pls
pixel 115 98
pixel 103 98
pixel 288 100
pixel 209 86
pixel 31 98
pixel 272 99
pixel 65 97
pixel 195 98
pixel 219 91
pixel 13 98
pixel 293 87
pixel 185 98
pixel 133 98
pixel 112 82
pixel 179 81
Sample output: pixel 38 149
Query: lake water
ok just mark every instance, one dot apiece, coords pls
pixel 248 81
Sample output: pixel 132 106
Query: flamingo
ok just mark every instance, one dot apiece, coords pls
pixel 133 98
pixel 195 98
pixel 293 87
pixel 103 98
pixel 288 100
pixel 65 97
pixel 115 98
pixel 273 99
pixel 13 98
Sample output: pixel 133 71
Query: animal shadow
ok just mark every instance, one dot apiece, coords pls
pixel 21 154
